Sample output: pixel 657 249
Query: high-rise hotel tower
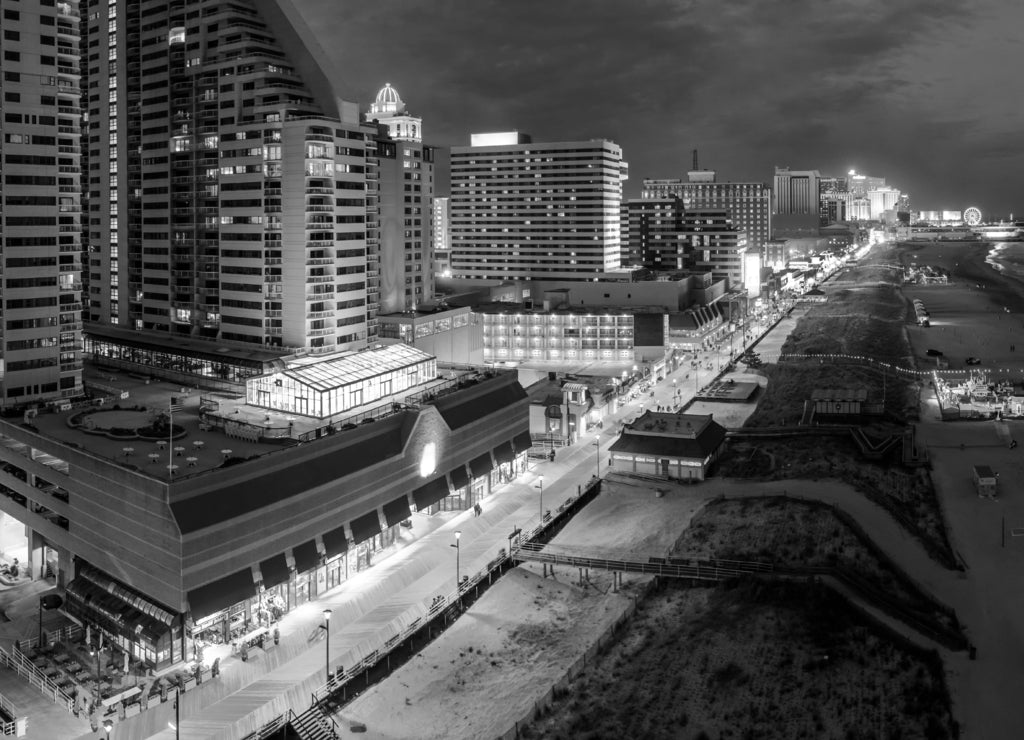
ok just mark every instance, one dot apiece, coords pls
pixel 40 225
pixel 226 179
pixel 541 211
pixel 400 194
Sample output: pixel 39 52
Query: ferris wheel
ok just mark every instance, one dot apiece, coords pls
pixel 972 216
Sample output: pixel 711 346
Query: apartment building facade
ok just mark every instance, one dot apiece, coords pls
pixel 526 210
pixel 40 203
pixel 749 203
pixel 227 179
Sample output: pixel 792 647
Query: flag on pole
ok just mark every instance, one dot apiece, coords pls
pixel 175 406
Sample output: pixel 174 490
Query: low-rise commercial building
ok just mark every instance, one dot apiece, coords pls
pixel 676 446
pixel 170 528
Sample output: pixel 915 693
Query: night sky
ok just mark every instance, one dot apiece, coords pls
pixel 928 94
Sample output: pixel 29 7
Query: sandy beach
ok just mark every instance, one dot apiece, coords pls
pixel 980 313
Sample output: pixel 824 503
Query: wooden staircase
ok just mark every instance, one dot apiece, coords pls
pixel 313 724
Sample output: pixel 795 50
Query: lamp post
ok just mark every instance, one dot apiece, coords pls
pixel 540 485
pixel 458 574
pixel 597 444
pixel 96 651
pixel 108 726
pixel 176 724
pixel 327 650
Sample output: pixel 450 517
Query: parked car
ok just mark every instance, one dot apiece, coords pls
pixel 933 353
pixel 972 361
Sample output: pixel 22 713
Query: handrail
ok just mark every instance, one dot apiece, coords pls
pixel 37 678
pixel 715 570
pixel 16 726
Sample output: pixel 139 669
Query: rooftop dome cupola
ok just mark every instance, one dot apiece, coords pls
pixel 388 101
pixel 388 109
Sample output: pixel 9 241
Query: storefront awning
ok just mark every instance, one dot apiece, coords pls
pixel 522 442
pixel 222 593
pixel 275 570
pixel 125 594
pixel 430 493
pixel 335 541
pixel 365 526
pixel 503 453
pixel 306 556
pixel 397 511
pixel 93 604
pixel 481 465
pixel 459 477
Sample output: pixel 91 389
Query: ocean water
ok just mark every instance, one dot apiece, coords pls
pixel 1008 258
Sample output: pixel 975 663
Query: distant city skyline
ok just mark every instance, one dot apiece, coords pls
pixel 921 93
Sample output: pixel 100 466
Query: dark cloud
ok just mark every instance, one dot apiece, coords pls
pixel 890 88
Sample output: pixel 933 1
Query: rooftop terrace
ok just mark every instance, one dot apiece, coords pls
pixel 125 429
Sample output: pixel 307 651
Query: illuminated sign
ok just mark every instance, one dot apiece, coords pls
pixel 428 459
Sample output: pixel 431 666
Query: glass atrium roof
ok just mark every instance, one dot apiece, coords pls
pixel 353 368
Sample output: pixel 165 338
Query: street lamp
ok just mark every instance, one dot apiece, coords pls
pixel 597 444
pixel 108 726
pixel 176 724
pixel 458 574
pixel 96 651
pixel 540 485
pixel 327 651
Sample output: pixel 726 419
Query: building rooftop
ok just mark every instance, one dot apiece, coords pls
pixel 538 308
pixel 217 351
pixel 336 372
pixel 671 435
pixel 136 401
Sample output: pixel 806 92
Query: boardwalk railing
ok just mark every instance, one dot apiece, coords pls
pixel 68 633
pixel 710 570
pixel 717 570
pixel 446 605
pixel 23 666
pixel 16 727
